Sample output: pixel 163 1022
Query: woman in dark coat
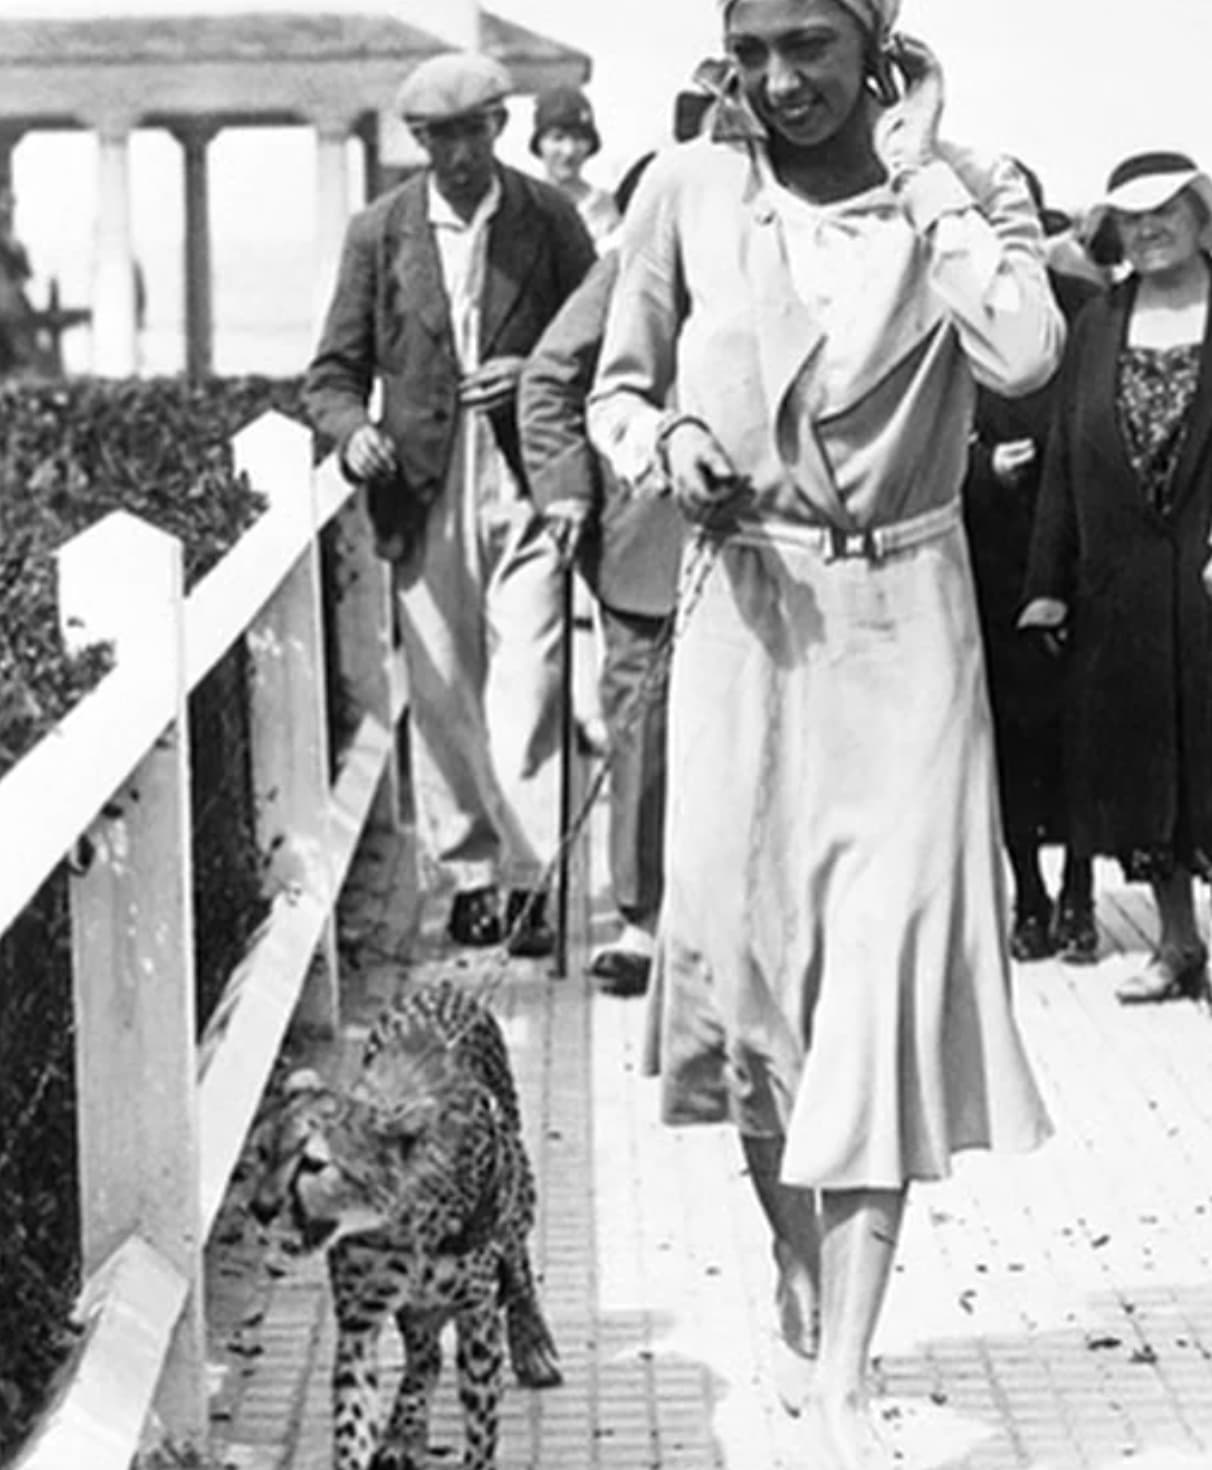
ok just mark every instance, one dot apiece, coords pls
pixel 1120 557
pixel 1025 682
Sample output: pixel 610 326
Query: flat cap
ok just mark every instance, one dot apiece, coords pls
pixel 452 85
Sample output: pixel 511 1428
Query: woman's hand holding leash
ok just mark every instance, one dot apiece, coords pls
pixel 702 478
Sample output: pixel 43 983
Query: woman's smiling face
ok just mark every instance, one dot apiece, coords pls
pixel 801 63
pixel 1161 240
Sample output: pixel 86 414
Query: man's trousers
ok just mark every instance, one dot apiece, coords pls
pixel 636 723
pixel 480 618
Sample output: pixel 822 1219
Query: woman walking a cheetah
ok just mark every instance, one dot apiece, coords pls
pixel 827 282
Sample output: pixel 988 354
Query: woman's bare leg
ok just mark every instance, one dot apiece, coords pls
pixel 860 1230
pixel 792 1216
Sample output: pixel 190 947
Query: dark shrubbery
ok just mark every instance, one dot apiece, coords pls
pixel 70 453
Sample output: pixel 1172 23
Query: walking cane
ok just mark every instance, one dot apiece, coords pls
pixel 567 750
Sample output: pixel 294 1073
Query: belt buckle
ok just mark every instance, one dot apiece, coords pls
pixel 846 545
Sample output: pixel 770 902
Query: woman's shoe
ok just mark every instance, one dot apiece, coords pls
pixel 1074 935
pixel 1167 977
pixel 1030 939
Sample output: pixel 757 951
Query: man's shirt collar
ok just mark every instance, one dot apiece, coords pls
pixel 442 216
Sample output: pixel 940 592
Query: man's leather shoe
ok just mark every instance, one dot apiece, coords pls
pixel 528 935
pixel 475 918
pixel 621 971
pixel 1074 933
pixel 1030 939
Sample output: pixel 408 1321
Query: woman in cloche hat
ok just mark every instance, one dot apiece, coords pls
pixel 1120 569
pixel 564 138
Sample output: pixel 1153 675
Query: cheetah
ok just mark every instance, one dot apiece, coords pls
pixel 416 1183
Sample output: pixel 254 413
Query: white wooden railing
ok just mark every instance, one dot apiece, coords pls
pixel 162 1116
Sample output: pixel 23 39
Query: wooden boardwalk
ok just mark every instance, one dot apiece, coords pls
pixel 1051 1311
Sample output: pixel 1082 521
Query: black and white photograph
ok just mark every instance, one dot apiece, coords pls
pixel 605 735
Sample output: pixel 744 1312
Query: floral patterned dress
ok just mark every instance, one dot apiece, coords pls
pixel 1156 388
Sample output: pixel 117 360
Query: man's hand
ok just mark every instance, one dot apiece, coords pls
pixel 565 522
pixel 1011 461
pixel 369 454
pixel 1048 617
pixel 906 135
pixel 704 481
pixel 491 384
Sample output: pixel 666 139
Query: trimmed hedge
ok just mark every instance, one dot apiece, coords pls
pixel 70 453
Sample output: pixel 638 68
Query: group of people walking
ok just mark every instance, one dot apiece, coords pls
pixel 816 342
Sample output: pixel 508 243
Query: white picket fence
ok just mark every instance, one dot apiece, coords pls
pixel 162 1117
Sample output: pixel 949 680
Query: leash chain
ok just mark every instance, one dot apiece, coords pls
pixel 704 552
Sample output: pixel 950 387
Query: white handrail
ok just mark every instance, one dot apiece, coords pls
pixel 170 1114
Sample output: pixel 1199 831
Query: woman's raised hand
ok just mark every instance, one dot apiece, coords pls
pixel 906 134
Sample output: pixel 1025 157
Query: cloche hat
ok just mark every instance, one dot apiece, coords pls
pixel 569 110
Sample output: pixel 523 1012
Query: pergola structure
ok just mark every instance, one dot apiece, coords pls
pixel 335 72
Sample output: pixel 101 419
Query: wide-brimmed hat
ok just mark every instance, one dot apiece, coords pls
pixel 455 84
pixel 567 110
pixel 1146 181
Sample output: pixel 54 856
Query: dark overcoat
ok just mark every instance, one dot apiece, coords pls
pixel 390 318
pixel 1139 691
pixel 1026 683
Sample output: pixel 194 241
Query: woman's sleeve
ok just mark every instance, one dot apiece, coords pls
pixel 628 404
pixel 987 268
pixel 1052 561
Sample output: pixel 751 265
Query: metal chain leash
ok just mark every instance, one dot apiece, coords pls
pixel 702 555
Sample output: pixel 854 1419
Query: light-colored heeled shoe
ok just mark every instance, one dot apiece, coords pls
pixel 835 1446
pixel 793 1373
pixel 1167 976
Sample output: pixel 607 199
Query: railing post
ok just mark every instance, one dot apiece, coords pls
pixel 289 718
pixel 133 950
pixel 364 623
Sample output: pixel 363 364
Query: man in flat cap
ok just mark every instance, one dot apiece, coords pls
pixel 445 285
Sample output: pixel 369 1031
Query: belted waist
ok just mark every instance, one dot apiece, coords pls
pixel 874 543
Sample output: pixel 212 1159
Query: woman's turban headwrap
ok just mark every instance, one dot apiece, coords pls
pixel 876 16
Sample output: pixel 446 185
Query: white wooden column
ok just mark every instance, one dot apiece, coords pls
pixel 132 948
pixel 115 331
pixel 195 138
pixel 332 206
